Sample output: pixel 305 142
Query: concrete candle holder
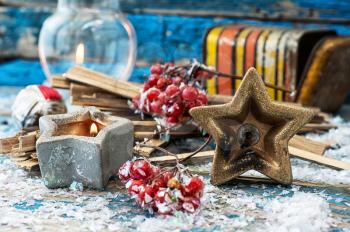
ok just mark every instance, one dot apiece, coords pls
pixel 87 147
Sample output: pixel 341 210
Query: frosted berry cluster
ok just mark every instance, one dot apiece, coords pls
pixel 161 191
pixel 170 92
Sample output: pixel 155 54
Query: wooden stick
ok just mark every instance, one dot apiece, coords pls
pixel 140 135
pixel 77 89
pixel 322 160
pixel 7 144
pixel 98 101
pixel 28 142
pixel 147 151
pixel 199 158
pixel 308 145
pixel 60 82
pixel 145 126
pixel 102 81
pixel 298 153
pixel 258 179
pixel 313 127
pixel 18 159
pixel 20 143
pixel 29 165
pixel 19 154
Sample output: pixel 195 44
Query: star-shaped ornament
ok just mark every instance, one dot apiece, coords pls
pixel 251 132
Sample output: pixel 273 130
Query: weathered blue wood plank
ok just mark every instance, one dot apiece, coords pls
pixel 321 9
pixel 20 73
pixel 19 30
pixel 173 37
pixel 26 72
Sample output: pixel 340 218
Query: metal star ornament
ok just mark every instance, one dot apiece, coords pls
pixel 251 132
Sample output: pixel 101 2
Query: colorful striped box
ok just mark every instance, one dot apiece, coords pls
pixel 280 56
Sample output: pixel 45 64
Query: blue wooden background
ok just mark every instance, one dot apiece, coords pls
pixel 174 28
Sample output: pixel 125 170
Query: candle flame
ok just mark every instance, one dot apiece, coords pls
pixel 80 53
pixel 93 129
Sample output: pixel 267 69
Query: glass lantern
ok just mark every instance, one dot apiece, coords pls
pixel 89 33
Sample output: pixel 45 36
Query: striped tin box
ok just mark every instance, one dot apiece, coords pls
pixel 280 56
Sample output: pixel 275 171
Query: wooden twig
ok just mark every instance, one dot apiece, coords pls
pixel 102 81
pixel 29 165
pixel 322 160
pixel 314 127
pixel 7 144
pixel 308 145
pixel 28 142
pixel 147 151
pixel 90 96
pixel 258 179
pixel 21 148
pixel 298 153
pixel 140 135
pixel 199 158
pixel 145 126
pixel 60 82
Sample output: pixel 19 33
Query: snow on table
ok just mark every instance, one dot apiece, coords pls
pixel 27 205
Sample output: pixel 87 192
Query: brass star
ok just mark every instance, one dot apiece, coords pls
pixel 251 132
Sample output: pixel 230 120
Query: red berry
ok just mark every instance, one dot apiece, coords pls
pixel 156 69
pixel 156 170
pixel 162 98
pixel 136 102
pixel 162 180
pixel 153 79
pixel 175 110
pixel 190 204
pixel 144 104
pixel 189 93
pixel 167 176
pixel 146 86
pixel 134 186
pixel 146 194
pixel 202 98
pixel 152 94
pixel 162 82
pixel 160 195
pixel 164 196
pixel 172 120
pixel 174 183
pixel 141 170
pixel 159 183
pixel 156 107
pixel 165 209
pixel 177 80
pixel 193 186
pixel 191 104
pixel 172 90
pixel 124 171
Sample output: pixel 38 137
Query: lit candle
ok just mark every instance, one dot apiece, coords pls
pixel 80 53
pixel 86 146
pixel 93 130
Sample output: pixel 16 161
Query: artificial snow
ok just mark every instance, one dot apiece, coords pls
pixel 27 205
